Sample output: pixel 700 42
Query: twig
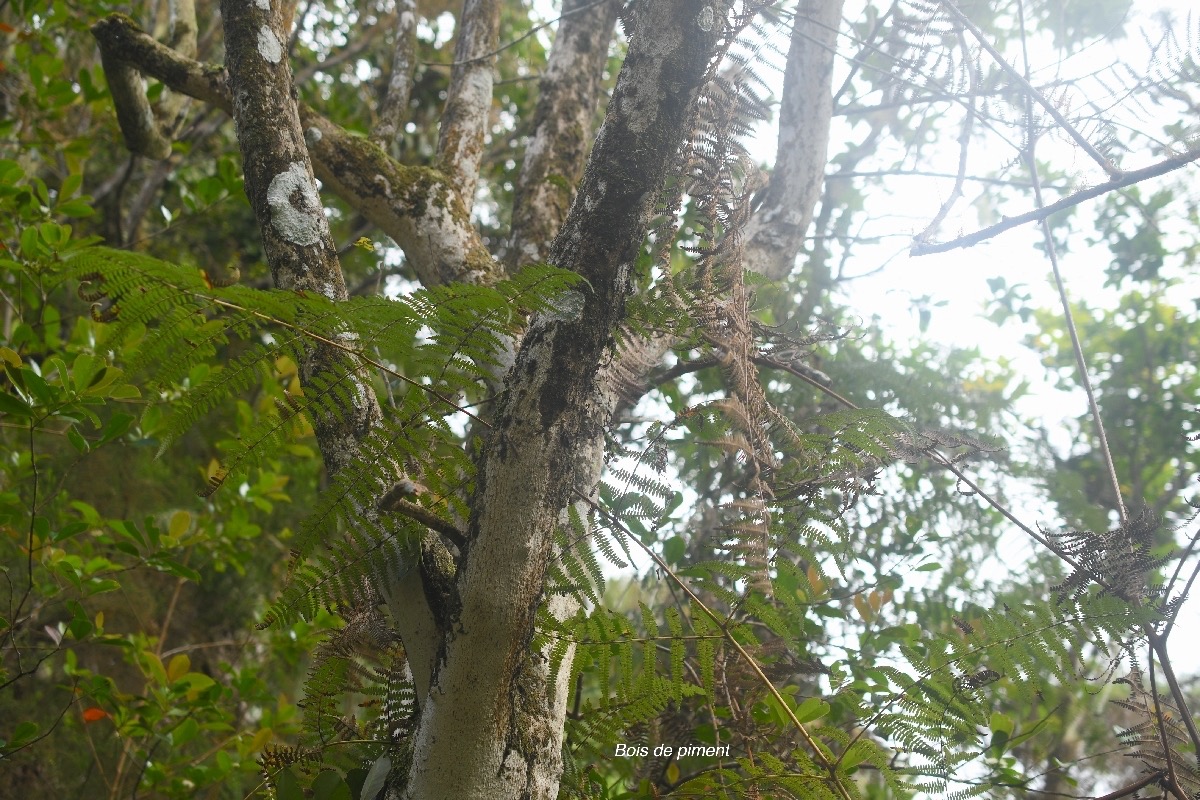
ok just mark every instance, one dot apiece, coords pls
pixel 1187 588
pixel 1052 254
pixel 1134 787
pixel 1160 723
pixel 964 143
pixel 166 626
pixel 514 42
pixel 425 517
pixel 1160 648
pixel 1126 179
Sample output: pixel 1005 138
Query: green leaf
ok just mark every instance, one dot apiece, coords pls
pixel 355 779
pixel 674 550
pixel 179 523
pixel 129 529
pixel 22 734
pixel 376 778
pixel 187 730
pixel 54 234
pixel 10 172
pixel 175 568
pixel 70 186
pixel 286 786
pixel 68 530
pixel 117 426
pixel 31 246
pixel 330 786
pixel 812 708
pixel 101 585
pixel 14 405
pixel 178 666
pixel 76 209
pixel 80 625
pixel 855 755
pixel 196 682
pixel 77 441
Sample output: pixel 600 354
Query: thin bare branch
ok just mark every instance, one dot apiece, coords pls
pixel 428 519
pixel 1042 212
pixel 1052 254
pixel 350 50
pixel 964 144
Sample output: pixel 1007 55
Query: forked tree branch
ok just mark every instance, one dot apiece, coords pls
pixel 416 206
pixel 491 695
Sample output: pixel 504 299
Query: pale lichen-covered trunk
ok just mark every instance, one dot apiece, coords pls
pixel 489 728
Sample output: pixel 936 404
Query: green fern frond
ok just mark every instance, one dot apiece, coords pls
pixel 361 559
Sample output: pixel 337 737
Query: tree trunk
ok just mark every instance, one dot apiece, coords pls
pixel 489 727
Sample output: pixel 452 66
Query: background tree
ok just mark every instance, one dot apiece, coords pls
pixel 629 339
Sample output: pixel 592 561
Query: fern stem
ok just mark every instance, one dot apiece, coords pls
pixel 1161 724
pixel 1158 645
pixel 1052 253
pixel 1077 348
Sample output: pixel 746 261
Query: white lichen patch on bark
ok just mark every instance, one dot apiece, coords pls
pixel 312 136
pixel 643 99
pixel 268 45
pixel 295 206
pixel 476 92
pixel 445 239
pixel 592 199
pixel 567 307
pixel 265 5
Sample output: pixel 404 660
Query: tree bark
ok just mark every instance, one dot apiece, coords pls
pixel 490 727
pixel 417 206
pixel 562 127
pixel 776 232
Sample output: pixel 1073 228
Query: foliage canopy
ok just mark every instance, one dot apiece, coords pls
pixel 253 494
